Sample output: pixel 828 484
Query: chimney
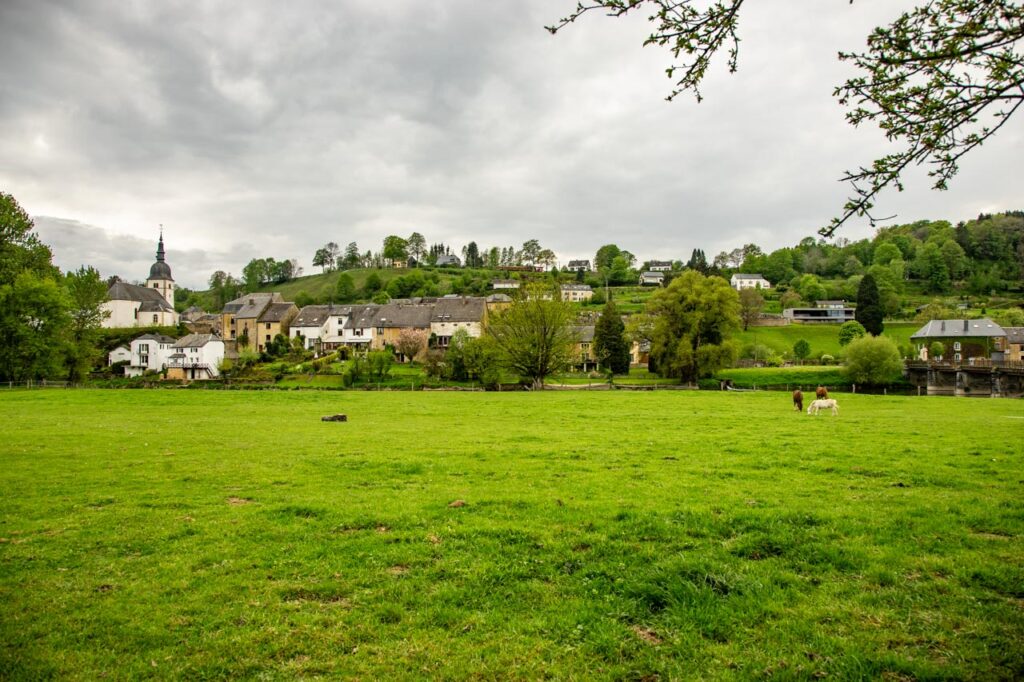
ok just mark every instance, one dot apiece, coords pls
pixel 965 325
pixel 943 325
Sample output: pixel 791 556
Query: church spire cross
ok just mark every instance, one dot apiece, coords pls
pixel 160 246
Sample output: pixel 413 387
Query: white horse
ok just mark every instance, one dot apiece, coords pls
pixel 818 405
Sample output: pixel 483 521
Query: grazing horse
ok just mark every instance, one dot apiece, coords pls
pixel 817 405
pixel 821 393
pixel 798 400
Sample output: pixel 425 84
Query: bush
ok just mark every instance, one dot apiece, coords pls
pixel 873 360
pixel 850 331
pixel 827 359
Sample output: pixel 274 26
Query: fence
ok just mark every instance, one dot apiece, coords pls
pixel 42 383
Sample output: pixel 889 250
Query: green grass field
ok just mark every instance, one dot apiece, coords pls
pixel 614 535
pixel 822 337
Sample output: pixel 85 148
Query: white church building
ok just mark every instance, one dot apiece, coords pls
pixel 133 305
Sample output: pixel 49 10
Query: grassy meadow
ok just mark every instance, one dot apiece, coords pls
pixel 174 534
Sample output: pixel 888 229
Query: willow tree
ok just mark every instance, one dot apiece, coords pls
pixel 693 318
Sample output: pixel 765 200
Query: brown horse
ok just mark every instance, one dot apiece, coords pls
pixel 798 400
pixel 821 393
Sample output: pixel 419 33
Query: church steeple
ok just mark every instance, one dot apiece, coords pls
pixel 160 247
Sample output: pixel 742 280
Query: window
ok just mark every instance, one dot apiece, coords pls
pixel 156 318
pixel 957 356
pixel 380 330
pixel 268 325
pixel 268 338
pixel 155 285
pixel 956 346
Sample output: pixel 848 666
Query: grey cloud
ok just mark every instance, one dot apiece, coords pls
pixel 258 129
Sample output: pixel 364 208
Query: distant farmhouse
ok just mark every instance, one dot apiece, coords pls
pixel 447 260
pixel 659 266
pixel 652 278
pixel 505 284
pixel 741 281
pixel 132 305
pixel 578 266
pixel 577 293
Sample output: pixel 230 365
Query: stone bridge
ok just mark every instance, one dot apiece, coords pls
pixel 980 378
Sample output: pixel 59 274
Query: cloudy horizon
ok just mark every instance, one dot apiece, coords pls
pixel 270 130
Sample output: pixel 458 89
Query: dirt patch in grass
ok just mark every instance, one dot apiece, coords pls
pixel 647 635
pixel 398 569
pixel 238 501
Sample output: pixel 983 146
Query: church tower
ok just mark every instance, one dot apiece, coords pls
pixel 160 274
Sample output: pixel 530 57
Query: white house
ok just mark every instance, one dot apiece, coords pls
pixel 149 353
pixel 650 278
pixel 740 281
pixel 311 324
pixel 119 354
pixel 359 329
pixel 578 266
pixel 659 266
pixel 577 292
pixel 196 356
pixel 505 284
pixel 132 305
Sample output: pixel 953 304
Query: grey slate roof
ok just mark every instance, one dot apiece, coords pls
pixel 578 264
pixel 122 291
pixel 448 259
pixel 576 287
pixel 159 338
pixel 316 315
pixel 1014 334
pixel 276 312
pixel 251 305
pixel 195 340
pixel 745 275
pixel 393 315
pixel 958 328
pixel 462 309
pixel 499 298
pixel 362 317
pixel 584 333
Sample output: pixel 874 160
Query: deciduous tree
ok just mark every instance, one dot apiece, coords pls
pixel 873 360
pixel 534 335
pixel 693 318
pixel 751 305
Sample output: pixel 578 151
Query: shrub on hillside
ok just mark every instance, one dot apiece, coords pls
pixel 873 360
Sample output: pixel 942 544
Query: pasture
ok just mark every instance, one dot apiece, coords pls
pixel 217 534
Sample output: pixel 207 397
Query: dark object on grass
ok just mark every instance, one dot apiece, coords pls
pixel 335 418
pixel 458 503
pixel 798 400
pixel 821 393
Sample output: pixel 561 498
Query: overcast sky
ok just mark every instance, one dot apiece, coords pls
pixel 269 128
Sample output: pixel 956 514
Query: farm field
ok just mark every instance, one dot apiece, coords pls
pixel 219 534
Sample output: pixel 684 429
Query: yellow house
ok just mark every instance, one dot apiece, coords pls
pixel 241 315
pixel 275 319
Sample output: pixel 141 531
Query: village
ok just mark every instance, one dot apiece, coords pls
pixel 949 356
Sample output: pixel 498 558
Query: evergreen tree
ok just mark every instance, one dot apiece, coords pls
pixel 869 306
pixel 610 345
